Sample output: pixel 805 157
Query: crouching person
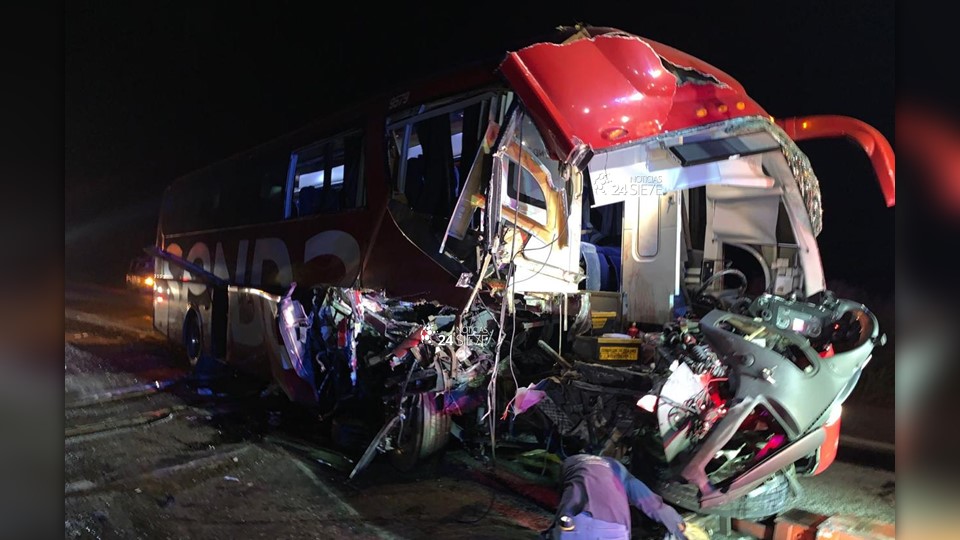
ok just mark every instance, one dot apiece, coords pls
pixel 597 494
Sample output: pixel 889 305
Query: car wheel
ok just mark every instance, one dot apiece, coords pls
pixel 425 431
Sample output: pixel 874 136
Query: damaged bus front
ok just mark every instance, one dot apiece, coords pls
pixel 616 256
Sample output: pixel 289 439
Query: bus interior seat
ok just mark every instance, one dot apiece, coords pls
pixel 610 227
pixel 329 201
pixel 603 266
pixel 610 262
pixel 309 200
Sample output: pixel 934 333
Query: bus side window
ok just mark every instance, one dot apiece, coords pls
pixel 250 190
pixel 327 176
pixel 429 155
pixel 191 203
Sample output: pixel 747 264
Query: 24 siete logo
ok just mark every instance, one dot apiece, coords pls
pixel 634 186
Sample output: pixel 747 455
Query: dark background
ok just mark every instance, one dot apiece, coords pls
pixel 154 91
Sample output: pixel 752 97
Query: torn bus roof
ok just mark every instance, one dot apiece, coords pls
pixel 638 88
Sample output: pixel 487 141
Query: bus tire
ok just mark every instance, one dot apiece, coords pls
pixel 193 337
pixel 426 431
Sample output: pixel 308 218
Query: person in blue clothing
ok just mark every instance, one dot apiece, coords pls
pixel 597 494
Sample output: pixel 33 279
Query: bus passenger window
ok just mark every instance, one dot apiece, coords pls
pixel 430 153
pixel 327 176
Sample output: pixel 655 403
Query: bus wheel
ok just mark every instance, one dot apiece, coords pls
pixel 193 337
pixel 426 430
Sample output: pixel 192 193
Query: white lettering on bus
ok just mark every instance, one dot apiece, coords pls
pixel 174 291
pixel 220 264
pixel 199 251
pixel 242 261
pixel 246 327
pixel 171 269
pixel 339 244
pixel 245 322
pixel 271 249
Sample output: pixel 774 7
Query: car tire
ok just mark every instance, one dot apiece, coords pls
pixel 774 496
pixel 426 431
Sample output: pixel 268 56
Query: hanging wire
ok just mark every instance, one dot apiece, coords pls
pixel 492 387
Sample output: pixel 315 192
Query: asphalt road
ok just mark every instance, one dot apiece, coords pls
pixel 151 453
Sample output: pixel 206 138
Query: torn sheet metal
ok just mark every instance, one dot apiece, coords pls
pixel 374 446
pixel 743 215
pixel 799 166
pixel 471 197
pixel 356 325
pixel 640 88
pixel 619 106
pixel 539 212
pixel 650 165
pixel 651 170
pixel 409 346
pixel 294 331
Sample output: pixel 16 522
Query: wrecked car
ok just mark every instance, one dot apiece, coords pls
pixel 617 257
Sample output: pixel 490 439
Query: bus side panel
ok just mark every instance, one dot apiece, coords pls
pixel 314 250
pixel 254 344
pixel 218 322
pixel 397 265
pixel 247 337
pixel 184 298
pixel 176 293
pixel 161 307
pixel 176 310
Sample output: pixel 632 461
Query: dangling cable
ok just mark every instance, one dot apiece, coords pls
pixel 492 387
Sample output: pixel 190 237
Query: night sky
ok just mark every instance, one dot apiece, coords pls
pixel 156 90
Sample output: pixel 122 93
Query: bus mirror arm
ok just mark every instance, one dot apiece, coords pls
pixel 876 146
pixel 196 271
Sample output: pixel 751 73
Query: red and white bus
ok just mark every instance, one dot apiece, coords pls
pixel 395 260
